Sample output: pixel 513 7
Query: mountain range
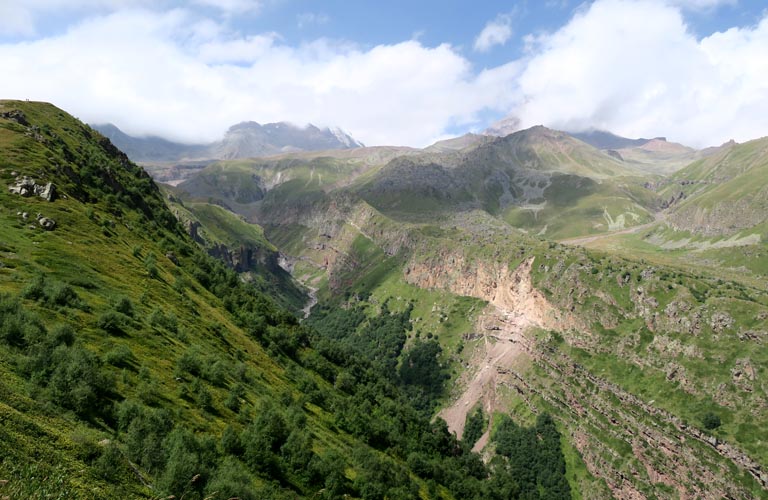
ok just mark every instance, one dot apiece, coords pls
pixel 243 140
pixel 522 316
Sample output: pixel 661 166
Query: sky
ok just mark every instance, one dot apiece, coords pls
pixel 396 72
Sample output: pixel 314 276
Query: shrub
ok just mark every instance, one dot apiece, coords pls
pixel 35 290
pixel 191 362
pixel 216 372
pixel 183 474
pixel 61 334
pixel 125 306
pixel 17 326
pixel 146 430
pixel 231 480
pixel 61 295
pixel 120 356
pixel 77 382
pixel 112 322
pixel 52 293
pixel 474 428
pixel 150 264
pixel 230 442
pixel 711 421
pixel 159 319
pixel 109 464
pixel 236 393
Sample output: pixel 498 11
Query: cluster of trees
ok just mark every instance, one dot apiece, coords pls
pixel 380 340
pixel 532 457
pixel 62 371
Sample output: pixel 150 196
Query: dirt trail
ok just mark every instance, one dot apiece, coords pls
pixel 583 240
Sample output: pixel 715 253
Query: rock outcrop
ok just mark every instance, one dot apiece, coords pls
pixel 26 187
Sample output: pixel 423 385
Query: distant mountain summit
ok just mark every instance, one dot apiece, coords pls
pixel 503 127
pixel 243 140
pixel 251 139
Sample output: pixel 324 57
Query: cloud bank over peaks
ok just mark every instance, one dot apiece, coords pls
pixel 165 68
pixel 633 67
pixel 188 78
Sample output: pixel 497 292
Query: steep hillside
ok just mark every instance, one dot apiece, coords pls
pixel 724 194
pixel 241 246
pixel 132 365
pixel 457 143
pixel 659 156
pixel 714 216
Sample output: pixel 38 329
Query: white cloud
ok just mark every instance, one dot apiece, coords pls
pixel 633 67
pixel 700 4
pixel 309 18
pixel 239 50
pixel 231 6
pixel 496 32
pixel 173 75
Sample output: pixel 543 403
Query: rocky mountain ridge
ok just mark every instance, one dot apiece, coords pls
pixel 242 140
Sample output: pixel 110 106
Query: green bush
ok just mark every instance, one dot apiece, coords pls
pixel 145 431
pixel 52 293
pixel 158 319
pixel 120 356
pixel 62 295
pixel 231 480
pixel 35 290
pixel 711 421
pixel 150 264
pixel 236 393
pixel 183 475
pixel 125 306
pixel 18 327
pixel 191 362
pixel 112 322
pixel 77 382
pixel 108 466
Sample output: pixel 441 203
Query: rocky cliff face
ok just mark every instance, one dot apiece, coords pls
pixel 506 286
pixel 245 258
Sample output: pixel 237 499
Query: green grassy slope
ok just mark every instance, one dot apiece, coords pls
pixel 132 365
pixel 724 194
pixel 716 219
